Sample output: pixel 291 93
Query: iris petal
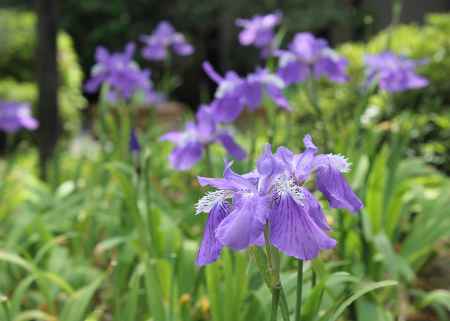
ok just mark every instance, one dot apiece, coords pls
pixel 336 189
pixel 295 233
pixel 210 247
pixel 244 226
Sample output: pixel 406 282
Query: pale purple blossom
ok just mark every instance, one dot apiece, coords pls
pixel 259 31
pixel 275 195
pixel 234 93
pixel 190 144
pixel 308 56
pixel 394 73
pixel 15 116
pixel 264 83
pixel 121 75
pixel 163 39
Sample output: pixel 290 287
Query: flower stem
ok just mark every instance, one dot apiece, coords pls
pixel 275 285
pixel 209 166
pixel 313 98
pixel 298 305
pixel 275 301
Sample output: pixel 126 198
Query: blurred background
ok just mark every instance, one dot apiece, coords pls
pixel 71 220
pixel 83 25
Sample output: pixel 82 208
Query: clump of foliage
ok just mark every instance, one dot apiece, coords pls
pixel 17 61
pixel 428 108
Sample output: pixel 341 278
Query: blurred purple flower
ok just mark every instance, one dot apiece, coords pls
pixel 16 115
pixel 261 83
pixel 275 194
pixel 191 142
pixel 394 73
pixel 229 100
pixel 306 56
pixel 163 38
pixel 234 93
pixel 134 144
pixel 122 76
pixel 259 31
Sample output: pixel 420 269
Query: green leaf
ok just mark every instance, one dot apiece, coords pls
pixel 358 293
pixel 75 309
pixel 441 297
pixel 35 315
pixel 16 260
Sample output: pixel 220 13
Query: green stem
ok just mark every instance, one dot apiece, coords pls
pixel 275 301
pixel 342 235
pixel 209 166
pixel 284 306
pixel 275 284
pixel 313 98
pixel 397 7
pixel 253 134
pixel 298 304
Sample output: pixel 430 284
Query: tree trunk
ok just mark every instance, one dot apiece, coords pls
pixel 47 78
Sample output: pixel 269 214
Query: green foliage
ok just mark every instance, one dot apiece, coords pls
pixel 113 235
pixel 429 108
pixel 17 66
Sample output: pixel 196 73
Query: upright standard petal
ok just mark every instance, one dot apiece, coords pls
pixel 244 226
pixel 294 232
pixel 338 192
pixel 303 163
pixel 210 247
pixel 268 167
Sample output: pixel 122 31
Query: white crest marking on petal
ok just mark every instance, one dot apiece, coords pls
pixel 287 185
pixel 207 202
pixel 339 162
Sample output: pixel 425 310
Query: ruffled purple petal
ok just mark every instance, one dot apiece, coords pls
pixel 336 189
pixel 295 233
pixel 244 226
pixel 210 247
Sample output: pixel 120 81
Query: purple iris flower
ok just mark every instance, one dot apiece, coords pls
pixel 234 93
pixel 163 38
pixel 394 73
pixel 259 31
pixel 191 142
pixel 310 56
pixel 261 83
pixel 275 195
pixel 16 115
pixel 121 74
pixel 229 100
